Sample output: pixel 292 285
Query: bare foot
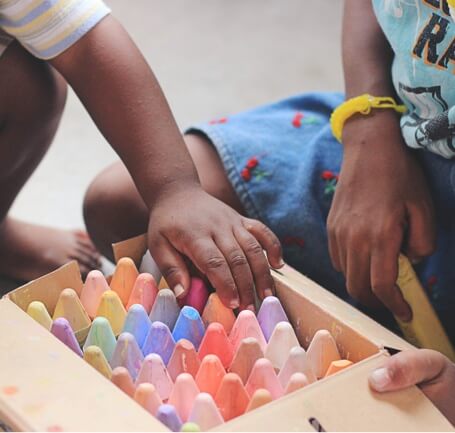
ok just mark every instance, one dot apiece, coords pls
pixel 28 251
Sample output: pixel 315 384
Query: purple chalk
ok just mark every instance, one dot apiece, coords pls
pixel 169 417
pixel 63 331
pixel 127 354
pixel 270 314
pixel 159 340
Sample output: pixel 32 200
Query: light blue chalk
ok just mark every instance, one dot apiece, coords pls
pixel 137 322
pixel 159 340
pixel 189 325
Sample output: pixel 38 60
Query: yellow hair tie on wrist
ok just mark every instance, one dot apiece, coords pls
pixel 360 104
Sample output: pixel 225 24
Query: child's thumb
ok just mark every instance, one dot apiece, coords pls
pixel 407 368
pixel 173 268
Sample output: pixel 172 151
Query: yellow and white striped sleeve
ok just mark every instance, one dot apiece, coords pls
pixel 46 28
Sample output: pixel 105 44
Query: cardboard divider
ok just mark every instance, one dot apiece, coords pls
pixel 47 289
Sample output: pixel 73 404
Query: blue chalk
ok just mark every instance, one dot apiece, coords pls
pixel 159 340
pixel 137 323
pixel 189 325
pixel 169 417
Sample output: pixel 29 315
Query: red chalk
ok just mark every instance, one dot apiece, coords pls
pixel 215 341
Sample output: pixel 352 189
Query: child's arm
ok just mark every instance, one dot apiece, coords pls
pixel 120 92
pixel 382 203
pixel 430 370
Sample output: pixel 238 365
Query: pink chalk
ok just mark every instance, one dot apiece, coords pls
pixel 197 295
pixel 154 371
pixel 246 325
pixel 144 292
pixel 183 395
pixel 263 376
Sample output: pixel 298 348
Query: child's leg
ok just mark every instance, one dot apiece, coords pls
pixel 32 100
pixel 114 210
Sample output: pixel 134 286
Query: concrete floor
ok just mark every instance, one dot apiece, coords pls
pixel 212 58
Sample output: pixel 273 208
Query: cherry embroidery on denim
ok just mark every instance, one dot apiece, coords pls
pixel 252 169
pixel 218 121
pixel 331 180
pixel 431 283
pixel 300 119
pixel 293 240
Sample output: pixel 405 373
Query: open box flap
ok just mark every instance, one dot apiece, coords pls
pixel 45 386
pixel 328 403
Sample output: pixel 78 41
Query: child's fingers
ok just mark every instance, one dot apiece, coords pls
pixel 358 277
pixel 407 368
pixel 333 248
pixel 384 274
pixel 421 240
pixel 268 241
pixel 172 265
pixel 257 260
pixel 208 258
pixel 240 269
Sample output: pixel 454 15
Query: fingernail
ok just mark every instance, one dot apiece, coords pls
pixel 268 292
pixel 281 263
pixel 380 379
pixel 234 303
pixel 251 307
pixel 178 290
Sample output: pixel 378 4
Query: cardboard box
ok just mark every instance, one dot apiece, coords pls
pixel 45 386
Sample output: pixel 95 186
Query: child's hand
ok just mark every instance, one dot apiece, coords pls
pixel 222 244
pixel 381 205
pixel 430 370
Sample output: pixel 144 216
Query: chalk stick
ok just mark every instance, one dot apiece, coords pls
pixel 38 311
pixel 247 354
pixel 127 354
pixel 216 342
pixel 69 306
pixel 154 371
pixel 260 398
pixel 297 362
pixel 169 417
pixel 124 277
pixel 94 287
pixel 144 292
pixel 197 295
pixel 147 396
pixel 321 352
pixel 216 311
pixel 297 381
pixel 159 340
pixel 336 366
pixel 232 398
pixel 282 340
pixel 137 323
pixel 61 329
pixel 189 326
pixel 101 335
pixel 184 359
pixel 122 379
pixel 210 375
pixel 149 265
pixel 263 376
pixel 183 395
pixel 270 314
pixel 94 356
pixel 190 427
pixel 112 309
pixel 165 308
pixel 205 413
pixel 246 325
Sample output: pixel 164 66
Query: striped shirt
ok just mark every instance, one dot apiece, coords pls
pixel 46 28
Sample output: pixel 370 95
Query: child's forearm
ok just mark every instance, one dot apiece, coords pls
pixel 119 90
pixel 367 55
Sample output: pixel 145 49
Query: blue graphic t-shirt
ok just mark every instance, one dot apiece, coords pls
pixel 422 36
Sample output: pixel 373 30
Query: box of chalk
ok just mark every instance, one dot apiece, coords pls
pixel 124 354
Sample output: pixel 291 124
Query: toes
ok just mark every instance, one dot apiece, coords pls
pixel 83 238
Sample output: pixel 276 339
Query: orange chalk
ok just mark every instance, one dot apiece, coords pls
pixel 210 375
pixel 124 277
pixel 163 284
pixel 263 376
pixel 260 398
pixel 216 342
pixel 184 359
pixel 232 398
pixel 144 292
pixel 297 381
pixel 122 379
pixel 246 325
pixel 112 309
pixel 216 311
pixel 247 354
pixel 147 396
pixel 69 306
pixel 94 287
pixel 336 366
pixel 183 395
pixel 321 352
